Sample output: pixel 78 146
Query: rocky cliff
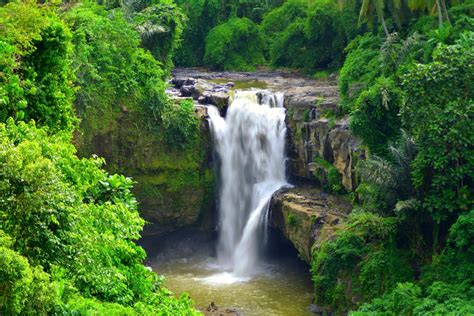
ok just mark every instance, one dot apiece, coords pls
pixel 174 187
pixel 306 216
pixel 321 150
pixel 318 134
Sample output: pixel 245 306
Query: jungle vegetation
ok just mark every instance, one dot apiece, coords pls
pixel 68 229
pixel 406 79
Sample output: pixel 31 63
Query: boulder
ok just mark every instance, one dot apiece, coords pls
pixel 220 99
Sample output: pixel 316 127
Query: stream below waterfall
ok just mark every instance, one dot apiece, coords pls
pixel 282 286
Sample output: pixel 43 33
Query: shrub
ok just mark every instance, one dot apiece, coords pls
pixel 78 222
pixel 375 117
pixel 361 67
pixel 160 27
pixel 234 45
pixel 439 113
pixel 180 124
pixel 36 78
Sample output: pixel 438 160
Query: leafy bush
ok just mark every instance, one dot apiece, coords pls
pixel 375 117
pixel 180 123
pixel 35 73
pixel 234 45
pixel 360 261
pixel 361 67
pixel 328 176
pixel 78 222
pixel 439 113
pixel 160 26
pixel 308 37
pixel 25 289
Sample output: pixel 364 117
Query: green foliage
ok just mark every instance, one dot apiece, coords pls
pixel 308 37
pixel 68 228
pixel 361 67
pixel 112 70
pixel 375 116
pixel 439 113
pixel 204 15
pixel 234 45
pixel 118 77
pixel 422 183
pixel 387 181
pixel 35 73
pixel 292 220
pixel 180 123
pixel 25 289
pixel 360 261
pixel 78 222
pixel 328 176
pixel 160 26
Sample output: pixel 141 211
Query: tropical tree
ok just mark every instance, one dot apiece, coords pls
pixel 431 6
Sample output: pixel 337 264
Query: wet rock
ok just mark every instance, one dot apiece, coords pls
pixel 315 309
pixel 178 82
pixel 202 100
pixel 201 111
pixel 219 99
pixel 202 86
pixel 189 91
pixel 214 310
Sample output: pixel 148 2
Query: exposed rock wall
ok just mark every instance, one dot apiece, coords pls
pixel 306 216
pixel 315 131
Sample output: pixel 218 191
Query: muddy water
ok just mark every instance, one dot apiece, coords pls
pixel 242 84
pixel 281 287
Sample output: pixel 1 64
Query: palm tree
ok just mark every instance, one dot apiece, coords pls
pixel 431 6
pixel 392 175
pixel 367 10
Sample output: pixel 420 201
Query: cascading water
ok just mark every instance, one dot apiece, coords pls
pixel 250 143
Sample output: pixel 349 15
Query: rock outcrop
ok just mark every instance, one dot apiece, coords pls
pixel 306 216
pixel 318 141
pixel 316 129
pixel 316 132
pixel 174 188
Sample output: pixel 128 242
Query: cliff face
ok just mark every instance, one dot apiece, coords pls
pixel 174 188
pixel 306 216
pixel 316 134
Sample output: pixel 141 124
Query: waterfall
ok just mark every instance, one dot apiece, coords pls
pixel 250 143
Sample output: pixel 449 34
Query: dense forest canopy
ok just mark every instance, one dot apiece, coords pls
pixel 406 79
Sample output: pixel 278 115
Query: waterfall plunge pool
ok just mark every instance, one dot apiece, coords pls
pixel 280 287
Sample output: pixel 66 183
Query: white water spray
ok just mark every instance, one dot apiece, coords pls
pixel 250 142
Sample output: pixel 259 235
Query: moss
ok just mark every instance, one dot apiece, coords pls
pixel 306 115
pixel 173 185
pixel 290 113
pixel 292 220
pixel 328 176
pixel 321 75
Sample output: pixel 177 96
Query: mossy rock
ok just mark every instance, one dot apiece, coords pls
pixel 172 186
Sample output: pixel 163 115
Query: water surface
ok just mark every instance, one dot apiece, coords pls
pixel 281 287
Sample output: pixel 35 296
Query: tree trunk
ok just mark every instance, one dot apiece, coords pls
pixel 440 14
pixel 443 4
pixel 384 26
